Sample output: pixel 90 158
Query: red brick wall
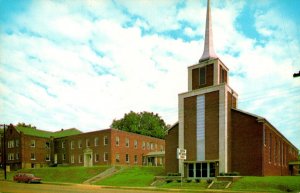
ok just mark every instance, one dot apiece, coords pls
pixel 246 144
pixel 212 125
pixel 139 151
pixel 171 150
pixel 281 153
pixel 190 141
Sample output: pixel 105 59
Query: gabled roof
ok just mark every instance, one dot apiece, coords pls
pixel 46 134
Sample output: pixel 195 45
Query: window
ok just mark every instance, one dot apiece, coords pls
pixel 32 156
pixel 72 159
pixel 32 143
pixel 117 141
pixel 144 145
pixel 155 146
pixel 270 148
pixel 127 142
pixel 17 142
pixel 10 156
pixel 47 157
pixel 135 144
pixel 87 143
pixel 96 141
pixel 79 144
pixel 135 159
pixel 80 158
pixel 161 148
pixel 202 76
pixel 117 158
pixel 47 145
pixel 223 75
pixel 17 156
pixel 151 146
pixel 148 145
pixel 63 144
pixel 127 158
pixel 264 135
pixel 96 157
pixel 72 144
pixel 63 156
pixel 105 140
pixel 105 156
pixel 10 144
pixel 275 152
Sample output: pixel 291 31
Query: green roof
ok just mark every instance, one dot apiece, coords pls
pixel 47 134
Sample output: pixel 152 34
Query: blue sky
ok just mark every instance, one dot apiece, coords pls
pixel 84 63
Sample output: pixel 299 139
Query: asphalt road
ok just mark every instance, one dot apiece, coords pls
pixel 13 187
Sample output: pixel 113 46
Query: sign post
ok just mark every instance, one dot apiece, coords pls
pixel 181 155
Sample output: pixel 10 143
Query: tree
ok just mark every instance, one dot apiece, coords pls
pixel 144 123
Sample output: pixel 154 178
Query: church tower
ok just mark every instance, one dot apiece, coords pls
pixel 204 127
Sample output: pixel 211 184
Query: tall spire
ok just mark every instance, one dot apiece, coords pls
pixel 208 44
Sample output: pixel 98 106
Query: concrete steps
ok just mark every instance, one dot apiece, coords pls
pixel 109 172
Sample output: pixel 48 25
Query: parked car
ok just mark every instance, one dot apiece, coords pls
pixel 27 177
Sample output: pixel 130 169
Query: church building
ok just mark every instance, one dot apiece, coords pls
pixel 217 136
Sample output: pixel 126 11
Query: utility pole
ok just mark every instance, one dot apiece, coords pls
pixel 4 151
pixel 296 74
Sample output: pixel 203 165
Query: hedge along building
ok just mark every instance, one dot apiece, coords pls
pixel 218 137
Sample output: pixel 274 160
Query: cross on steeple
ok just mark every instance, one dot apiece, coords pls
pixel 208 52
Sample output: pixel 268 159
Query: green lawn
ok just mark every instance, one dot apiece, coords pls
pixel 63 174
pixel 269 183
pixel 133 176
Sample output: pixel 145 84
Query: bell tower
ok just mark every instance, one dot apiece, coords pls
pixel 204 128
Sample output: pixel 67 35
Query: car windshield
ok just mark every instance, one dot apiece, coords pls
pixel 30 175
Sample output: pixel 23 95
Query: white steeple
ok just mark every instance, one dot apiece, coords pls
pixel 208 52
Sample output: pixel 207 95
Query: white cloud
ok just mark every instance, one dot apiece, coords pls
pixel 82 65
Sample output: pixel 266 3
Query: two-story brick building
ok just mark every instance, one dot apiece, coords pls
pixel 28 147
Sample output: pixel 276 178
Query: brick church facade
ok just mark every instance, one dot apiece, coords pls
pixel 219 137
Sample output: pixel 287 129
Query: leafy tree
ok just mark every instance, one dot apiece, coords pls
pixel 144 123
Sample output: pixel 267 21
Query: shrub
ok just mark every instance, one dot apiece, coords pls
pixel 168 181
pixel 188 180
pixel 209 181
pixel 197 180
pixel 222 174
pixel 178 180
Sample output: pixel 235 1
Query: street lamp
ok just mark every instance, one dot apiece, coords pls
pixel 4 149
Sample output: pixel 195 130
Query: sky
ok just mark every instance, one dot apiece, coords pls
pixel 82 64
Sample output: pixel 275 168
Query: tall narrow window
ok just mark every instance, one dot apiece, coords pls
pixel 72 159
pixel 105 140
pixel 127 158
pixel 80 158
pixel 32 156
pixel 32 143
pixel 47 157
pixel 144 145
pixel 79 144
pixel 96 157
pixel 135 159
pixel 127 142
pixel 72 144
pixel 87 142
pixel 96 141
pixel 17 142
pixel 117 158
pixel 47 145
pixel 62 144
pixel 202 76
pixel 135 144
pixel 117 141
pixel 105 156
pixel 270 148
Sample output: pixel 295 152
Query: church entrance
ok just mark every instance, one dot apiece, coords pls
pixel 201 170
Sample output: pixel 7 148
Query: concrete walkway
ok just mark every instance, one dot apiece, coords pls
pixel 109 172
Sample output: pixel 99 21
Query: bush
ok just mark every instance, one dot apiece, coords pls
pixel 174 174
pixel 178 180
pixel 168 181
pixel 209 181
pixel 197 180
pixel 188 180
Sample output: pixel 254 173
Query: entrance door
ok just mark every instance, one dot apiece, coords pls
pixel 201 170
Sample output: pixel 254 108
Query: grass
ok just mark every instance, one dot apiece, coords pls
pixel 133 176
pixel 70 174
pixel 269 184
